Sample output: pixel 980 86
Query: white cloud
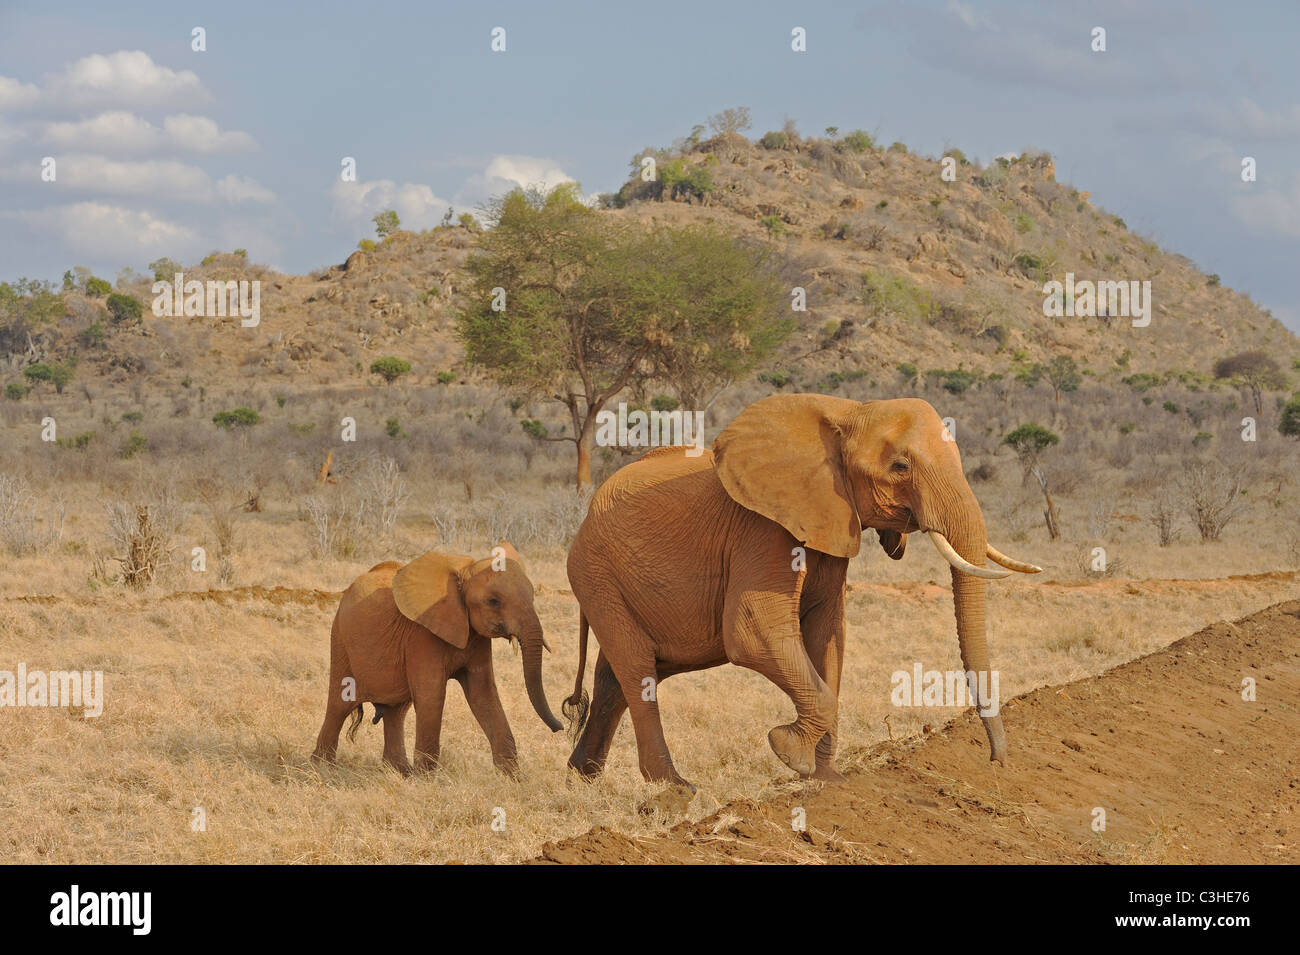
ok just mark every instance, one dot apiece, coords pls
pixel 124 132
pixel 1271 211
pixel 198 134
pixel 968 15
pixel 156 178
pixel 114 233
pixel 127 78
pixel 17 95
pixel 234 188
pixel 1247 119
pixel 504 173
pixel 357 202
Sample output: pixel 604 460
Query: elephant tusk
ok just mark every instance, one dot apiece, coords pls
pixel 547 644
pixel 514 644
pixel 1009 563
pixel 950 554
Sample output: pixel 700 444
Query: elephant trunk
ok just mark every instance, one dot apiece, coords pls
pixel 969 595
pixel 531 644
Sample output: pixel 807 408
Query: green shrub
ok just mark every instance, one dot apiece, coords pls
pixel 1141 381
pixel 393 428
pixel 664 403
pixel 92 336
pixel 390 368
pixel 1290 423
pixel 38 372
pixel 136 444
pixel 236 418
pixel 774 225
pixel 957 380
pixel 896 296
pixel 386 223
pixel 79 442
pixel 15 392
pixel 680 178
pixel 132 417
pixel 97 288
pixel 774 140
pixel 446 377
pixel 124 308
pixel 858 141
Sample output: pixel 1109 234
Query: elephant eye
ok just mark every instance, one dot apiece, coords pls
pixel 899 466
pixel 494 601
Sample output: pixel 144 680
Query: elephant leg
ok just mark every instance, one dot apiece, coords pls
pixel 337 710
pixel 479 684
pixel 607 707
pixel 631 656
pixel 767 639
pixel 395 738
pixel 429 699
pixel 823 638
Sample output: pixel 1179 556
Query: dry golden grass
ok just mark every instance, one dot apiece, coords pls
pixel 215 704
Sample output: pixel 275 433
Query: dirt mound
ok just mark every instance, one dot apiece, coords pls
pixel 1185 770
pixel 324 599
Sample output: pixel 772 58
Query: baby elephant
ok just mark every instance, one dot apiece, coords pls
pixel 401 632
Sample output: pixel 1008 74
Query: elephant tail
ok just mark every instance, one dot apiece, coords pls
pixel 357 714
pixel 575 707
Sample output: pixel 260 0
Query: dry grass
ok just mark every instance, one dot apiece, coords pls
pixel 215 704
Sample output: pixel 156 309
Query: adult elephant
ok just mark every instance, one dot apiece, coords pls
pixel 686 562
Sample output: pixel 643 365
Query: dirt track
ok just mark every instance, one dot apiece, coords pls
pixel 1185 770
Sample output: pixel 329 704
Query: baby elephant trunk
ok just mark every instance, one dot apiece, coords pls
pixel 531 650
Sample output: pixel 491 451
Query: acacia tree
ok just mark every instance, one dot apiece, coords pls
pixel 1253 370
pixel 1063 375
pixel 1029 441
pixel 574 306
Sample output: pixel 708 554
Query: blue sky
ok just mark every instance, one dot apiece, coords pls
pixel 162 150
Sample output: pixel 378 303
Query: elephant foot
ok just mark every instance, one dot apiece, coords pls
pixel 400 766
pixel 671 801
pixel 828 774
pixel 510 767
pixel 320 758
pixel 792 749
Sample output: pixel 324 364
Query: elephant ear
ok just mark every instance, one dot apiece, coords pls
pixel 427 591
pixel 892 543
pixel 506 550
pixel 780 457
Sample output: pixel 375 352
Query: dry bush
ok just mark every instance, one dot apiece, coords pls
pixel 143 534
pixel 548 522
pixel 20 533
pixel 1163 516
pixel 344 521
pixel 1212 496
pixel 221 517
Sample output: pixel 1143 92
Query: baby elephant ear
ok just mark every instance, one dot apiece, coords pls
pixel 427 591
pixel 503 548
pixel 781 457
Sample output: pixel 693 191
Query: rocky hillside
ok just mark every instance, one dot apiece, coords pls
pixel 906 269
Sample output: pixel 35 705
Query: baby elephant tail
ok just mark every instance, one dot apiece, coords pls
pixel 575 707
